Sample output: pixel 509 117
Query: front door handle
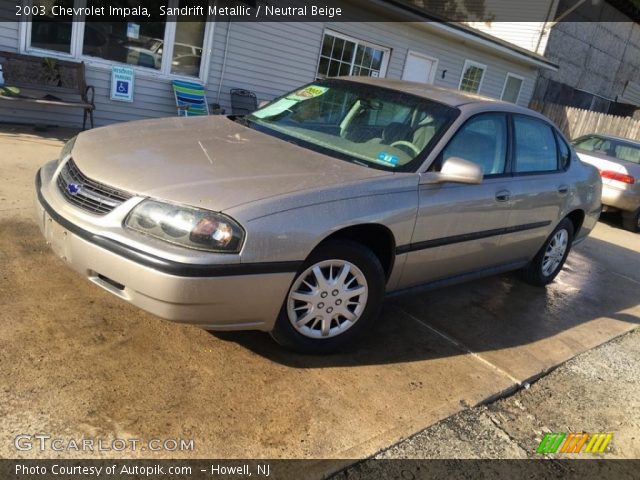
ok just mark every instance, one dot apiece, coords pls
pixel 563 189
pixel 503 196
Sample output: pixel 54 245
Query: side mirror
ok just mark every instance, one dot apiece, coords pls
pixel 455 170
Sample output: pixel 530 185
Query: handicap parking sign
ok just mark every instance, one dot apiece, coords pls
pixel 122 87
pixel 122 80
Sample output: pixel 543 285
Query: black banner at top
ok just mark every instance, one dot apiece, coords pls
pixel 140 11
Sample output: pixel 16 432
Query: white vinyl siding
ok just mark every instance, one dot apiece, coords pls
pixel 261 57
pixel 9 36
pixel 273 58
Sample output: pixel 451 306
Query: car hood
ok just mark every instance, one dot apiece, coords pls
pixel 209 162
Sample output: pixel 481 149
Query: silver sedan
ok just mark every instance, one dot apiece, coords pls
pixel 618 160
pixel 299 218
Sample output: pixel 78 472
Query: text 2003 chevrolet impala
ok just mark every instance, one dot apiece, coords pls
pixel 298 218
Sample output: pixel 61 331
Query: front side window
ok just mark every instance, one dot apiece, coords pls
pixel 367 125
pixel 535 146
pixel 472 76
pixel 483 141
pixel 348 56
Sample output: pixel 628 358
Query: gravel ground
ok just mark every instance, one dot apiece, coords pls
pixel 597 391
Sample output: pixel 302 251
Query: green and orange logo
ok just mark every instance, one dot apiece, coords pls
pixel 574 443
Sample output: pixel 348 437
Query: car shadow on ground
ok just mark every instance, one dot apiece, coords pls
pixel 613 219
pixel 494 313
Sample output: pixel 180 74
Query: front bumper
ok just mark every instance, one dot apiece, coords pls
pixel 214 297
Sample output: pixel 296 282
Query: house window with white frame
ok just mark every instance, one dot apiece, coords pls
pixel 512 87
pixel 343 55
pixel 167 47
pixel 472 76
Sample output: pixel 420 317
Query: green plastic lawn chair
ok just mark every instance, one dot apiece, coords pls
pixel 191 99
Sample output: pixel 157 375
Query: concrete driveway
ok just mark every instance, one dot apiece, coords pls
pixel 77 362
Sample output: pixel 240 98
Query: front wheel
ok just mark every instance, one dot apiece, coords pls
pixel 549 260
pixel 336 297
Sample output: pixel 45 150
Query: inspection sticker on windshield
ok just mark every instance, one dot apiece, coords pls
pixel 388 158
pixel 308 92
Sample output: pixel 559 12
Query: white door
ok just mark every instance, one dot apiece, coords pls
pixel 419 68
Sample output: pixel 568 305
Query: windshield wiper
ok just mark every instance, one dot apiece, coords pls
pixel 241 119
pixel 358 162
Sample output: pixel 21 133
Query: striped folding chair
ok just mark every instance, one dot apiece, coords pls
pixel 191 99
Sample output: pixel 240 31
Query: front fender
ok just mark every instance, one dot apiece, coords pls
pixel 292 235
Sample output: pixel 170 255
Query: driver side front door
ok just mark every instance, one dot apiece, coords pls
pixel 459 226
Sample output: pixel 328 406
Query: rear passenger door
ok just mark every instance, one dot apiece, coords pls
pixel 539 189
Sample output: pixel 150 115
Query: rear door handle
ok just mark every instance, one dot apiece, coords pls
pixel 503 196
pixel 563 189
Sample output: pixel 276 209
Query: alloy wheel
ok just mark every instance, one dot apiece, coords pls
pixel 327 299
pixel 554 254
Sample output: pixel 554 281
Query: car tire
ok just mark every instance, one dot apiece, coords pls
pixel 551 257
pixel 313 318
pixel 631 221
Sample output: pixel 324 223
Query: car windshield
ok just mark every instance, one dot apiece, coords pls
pixel 611 147
pixel 372 126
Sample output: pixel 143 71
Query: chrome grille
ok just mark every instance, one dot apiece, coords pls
pixel 88 194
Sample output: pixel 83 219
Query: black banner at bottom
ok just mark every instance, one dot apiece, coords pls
pixel 582 469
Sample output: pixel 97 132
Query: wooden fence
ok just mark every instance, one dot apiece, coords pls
pixel 575 122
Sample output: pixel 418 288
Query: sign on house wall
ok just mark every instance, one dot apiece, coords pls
pixel 122 80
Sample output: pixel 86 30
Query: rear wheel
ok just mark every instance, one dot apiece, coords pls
pixel 336 297
pixel 549 260
pixel 631 221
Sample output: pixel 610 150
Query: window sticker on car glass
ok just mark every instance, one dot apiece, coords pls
pixel 274 109
pixel 388 158
pixel 306 93
pixel 284 104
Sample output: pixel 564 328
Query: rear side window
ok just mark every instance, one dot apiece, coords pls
pixel 482 140
pixel 535 146
pixel 628 153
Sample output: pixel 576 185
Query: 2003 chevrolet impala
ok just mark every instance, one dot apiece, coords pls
pixel 298 218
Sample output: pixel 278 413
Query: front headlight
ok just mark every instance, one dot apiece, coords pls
pixel 66 150
pixel 187 226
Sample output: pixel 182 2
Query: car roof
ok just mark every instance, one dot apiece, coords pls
pixel 635 143
pixel 447 96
